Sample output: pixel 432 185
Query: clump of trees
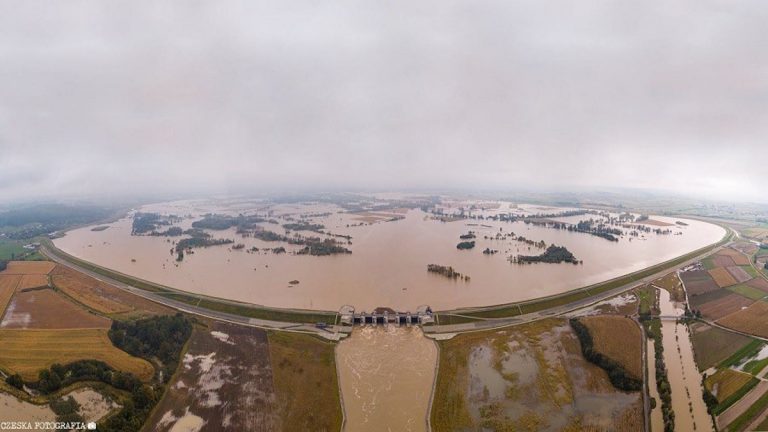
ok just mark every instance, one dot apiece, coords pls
pixel 3 265
pixel 15 381
pixel 619 376
pixel 466 245
pixel 553 254
pixel 143 397
pixel 653 330
pixel 303 226
pixel 467 236
pixel 322 248
pixel 446 271
pixel 66 410
pixel 160 338
pixel 148 223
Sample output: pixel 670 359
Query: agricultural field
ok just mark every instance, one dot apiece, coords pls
pixel 739 273
pixel 103 297
pixel 726 382
pixel 226 379
pixel 725 304
pixel 29 267
pixel 46 309
pixel 625 350
pixel 759 283
pixel 712 345
pixel 722 277
pixel 28 351
pixel 305 380
pixel 8 284
pixel 747 248
pixel 758 233
pixel 737 257
pixel 747 291
pixel 751 320
pixel 530 377
pixel 718 260
pixel 32 281
pixel 698 282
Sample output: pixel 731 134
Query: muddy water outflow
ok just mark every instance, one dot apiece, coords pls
pixel 386 376
pixel 684 377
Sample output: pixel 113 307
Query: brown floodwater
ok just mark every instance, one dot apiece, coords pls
pixel 389 259
pixel 386 376
pixel 684 377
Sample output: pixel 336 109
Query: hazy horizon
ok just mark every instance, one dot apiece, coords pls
pixel 110 99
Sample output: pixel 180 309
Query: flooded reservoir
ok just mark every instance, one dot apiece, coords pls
pixel 684 377
pixel 386 376
pixel 389 254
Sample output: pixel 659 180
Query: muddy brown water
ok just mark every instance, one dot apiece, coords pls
pixel 684 377
pixel 388 263
pixel 386 376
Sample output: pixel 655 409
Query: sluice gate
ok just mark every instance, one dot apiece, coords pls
pixel 385 316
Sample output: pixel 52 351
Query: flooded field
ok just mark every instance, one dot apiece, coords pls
pixel 93 406
pixel 390 251
pixel 386 376
pixel 226 379
pixel 531 377
pixel 684 377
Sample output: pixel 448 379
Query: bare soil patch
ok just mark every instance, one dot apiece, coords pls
pixel 722 277
pixel 698 282
pixel 723 261
pixel 759 283
pixel 724 306
pixel 45 309
pixel 738 257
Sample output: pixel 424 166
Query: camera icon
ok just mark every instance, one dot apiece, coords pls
pixel 91 425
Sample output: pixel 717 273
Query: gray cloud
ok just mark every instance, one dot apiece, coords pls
pixel 122 97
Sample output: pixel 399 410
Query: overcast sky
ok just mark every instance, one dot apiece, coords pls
pixel 104 97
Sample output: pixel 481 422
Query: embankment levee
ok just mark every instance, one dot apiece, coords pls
pixel 490 316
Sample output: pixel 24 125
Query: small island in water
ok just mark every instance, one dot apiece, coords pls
pixel 553 254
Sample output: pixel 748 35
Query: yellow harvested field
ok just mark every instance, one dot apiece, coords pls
pixel 33 281
pixel 751 320
pixel 726 382
pixel 619 339
pixel 722 277
pixel 29 267
pixel 88 291
pixel 28 351
pixel 8 284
